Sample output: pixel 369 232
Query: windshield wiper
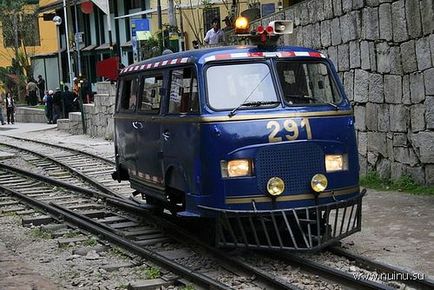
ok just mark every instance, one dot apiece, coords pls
pixel 253 104
pixel 333 105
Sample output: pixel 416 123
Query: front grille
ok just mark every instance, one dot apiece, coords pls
pixel 294 162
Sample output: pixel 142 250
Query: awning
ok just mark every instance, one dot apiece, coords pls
pixel 89 47
pixel 45 55
pixel 126 44
pixel 103 46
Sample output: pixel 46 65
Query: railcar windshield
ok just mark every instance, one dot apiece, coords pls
pixel 307 82
pixel 232 85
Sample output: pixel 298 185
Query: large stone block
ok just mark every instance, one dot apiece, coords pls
pixel 372 3
pixel 373 158
pixel 417 88
pixel 392 89
pixel 365 58
pixel 395 60
pixel 397 170
pixel 354 54
pixel 372 116
pixel 389 141
pixel 399 22
pixel 336 31
pixel 398 118
pixel 408 57
pixel 332 52
pixel 377 143
pixel 372 55
pixel 370 29
pixel 383 168
pixel 383 59
pixel 358 4
pixel 328 8
pixel 427 16
pixel 406 90
pixel 361 86
pixel 360 118
pixel 337 7
pixel 416 173
pixel 429 81
pixel 349 84
pixel 343 58
pixel 362 141
pixel 347 5
pixel 417 113
pixel 429 114
pixel 385 21
pixel 400 140
pixel 429 174
pixel 363 164
pixel 376 94
pixel 431 44
pixel 350 23
pixel 423 54
pixel 423 141
pixel 326 33
pixel 383 118
pixel 307 35
pixel 316 36
pixel 414 25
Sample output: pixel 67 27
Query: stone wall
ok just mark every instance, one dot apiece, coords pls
pixel 28 115
pixel 384 53
pixel 98 116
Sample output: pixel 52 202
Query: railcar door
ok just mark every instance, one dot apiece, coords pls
pixel 180 131
pixel 149 169
pixel 125 124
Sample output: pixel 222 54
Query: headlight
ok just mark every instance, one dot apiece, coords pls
pixel 319 182
pixel 236 168
pixel 275 186
pixel 336 162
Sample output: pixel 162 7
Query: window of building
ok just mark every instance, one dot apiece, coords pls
pixel 128 94
pixel 183 92
pixel 208 15
pixel 28 30
pixel 152 93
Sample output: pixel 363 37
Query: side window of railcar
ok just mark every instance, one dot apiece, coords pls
pixel 151 96
pixel 183 92
pixel 128 95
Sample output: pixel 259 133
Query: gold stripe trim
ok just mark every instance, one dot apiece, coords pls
pixel 148 183
pixel 304 196
pixel 202 119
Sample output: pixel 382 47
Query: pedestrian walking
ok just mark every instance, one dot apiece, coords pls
pixel 10 108
pixel 68 98
pixel 215 35
pixel 41 87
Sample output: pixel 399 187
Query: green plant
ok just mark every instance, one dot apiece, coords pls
pixel 71 234
pixel 91 242
pixel 40 233
pixel 405 183
pixel 152 273
pixel 188 287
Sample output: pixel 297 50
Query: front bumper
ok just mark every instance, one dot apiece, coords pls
pixel 301 229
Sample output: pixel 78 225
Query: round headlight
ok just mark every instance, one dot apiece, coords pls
pixel 319 182
pixel 275 186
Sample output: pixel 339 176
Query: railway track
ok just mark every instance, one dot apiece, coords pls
pixel 86 217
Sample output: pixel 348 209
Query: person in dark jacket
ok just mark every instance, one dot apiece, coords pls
pixel 48 100
pixel 68 97
pixel 41 87
pixel 58 106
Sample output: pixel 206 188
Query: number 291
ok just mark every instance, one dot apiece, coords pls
pixel 291 129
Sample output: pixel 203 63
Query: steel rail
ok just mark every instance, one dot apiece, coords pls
pixel 90 180
pixel 425 283
pixel 332 273
pixel 120 202
pixel 111 162
pixel 90 225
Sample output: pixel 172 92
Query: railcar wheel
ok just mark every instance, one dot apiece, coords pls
pixel 156 203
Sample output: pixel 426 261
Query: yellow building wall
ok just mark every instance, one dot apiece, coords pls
pixel 48 40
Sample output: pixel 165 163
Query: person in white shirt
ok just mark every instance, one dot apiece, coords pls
pixel 215 35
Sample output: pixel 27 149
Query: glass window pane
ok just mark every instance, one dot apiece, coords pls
pixel 307 83
pixel 183 92
pixel 232 85
pixel 151 96
pixel 128 94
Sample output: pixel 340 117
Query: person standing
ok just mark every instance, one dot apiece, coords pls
pixel 68 98
pixel 2 119
pixel 215 35
pixel 57 106
pixel 31 92
pixel 10 108
pixel 48 100
pixel 41 87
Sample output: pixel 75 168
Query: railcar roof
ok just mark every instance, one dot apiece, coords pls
pixel 181 57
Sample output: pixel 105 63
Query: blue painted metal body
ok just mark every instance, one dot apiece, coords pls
pixel 197 147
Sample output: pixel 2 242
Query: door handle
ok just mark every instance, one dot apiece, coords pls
pixel 137 125
pixel 166 135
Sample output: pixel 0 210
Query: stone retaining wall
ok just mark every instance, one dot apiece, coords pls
pixel 384 53
pixel 28 115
